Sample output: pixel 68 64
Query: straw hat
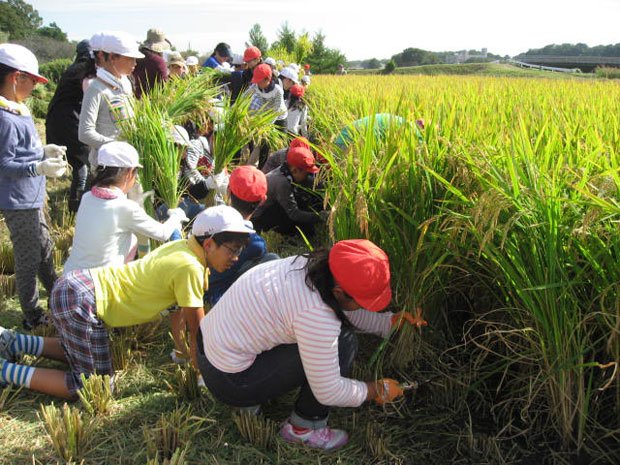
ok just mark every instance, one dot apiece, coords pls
pixel 156 41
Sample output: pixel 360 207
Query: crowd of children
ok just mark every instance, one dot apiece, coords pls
pixel 259 326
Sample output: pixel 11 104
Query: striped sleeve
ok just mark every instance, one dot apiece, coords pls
pixel 317 332
pixel 371 322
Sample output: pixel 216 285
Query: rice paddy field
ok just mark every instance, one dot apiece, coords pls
pixel 500 218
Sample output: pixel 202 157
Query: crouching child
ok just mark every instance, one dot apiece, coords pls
pixel 85 303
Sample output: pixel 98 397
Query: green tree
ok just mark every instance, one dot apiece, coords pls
pixel 18 19
pixel 258 39
pixel 53 32
pixel 286 38
pixel 390 66
pixel 324 59
pixel 373 63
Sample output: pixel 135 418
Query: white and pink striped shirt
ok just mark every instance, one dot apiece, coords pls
pixel 271 305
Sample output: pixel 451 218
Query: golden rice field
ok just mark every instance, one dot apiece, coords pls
pixel 501 222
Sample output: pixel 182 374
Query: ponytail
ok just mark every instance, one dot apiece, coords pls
pixel 319 278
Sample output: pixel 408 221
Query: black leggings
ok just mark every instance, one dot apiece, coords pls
pixel 272 374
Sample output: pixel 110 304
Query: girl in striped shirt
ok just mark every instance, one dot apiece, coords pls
pixel 289 323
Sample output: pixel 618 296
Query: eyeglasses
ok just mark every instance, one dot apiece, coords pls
pixel 29 76
pixel 233 252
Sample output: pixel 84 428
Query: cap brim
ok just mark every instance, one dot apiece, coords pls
pixel 132 54
pixel 256 80
pixel 241 229
pixel 41 79
pixel 378 303
pixel 313 169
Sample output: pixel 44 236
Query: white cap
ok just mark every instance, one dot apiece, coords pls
pixel 270 61
pixel 294 66
pixel 191 61
pixel 221 218
pixel 305 79
pixel 120 43
pixel 237 59
pixel 180 135
pixel 22 59
pixel 119 155
pixel 290 73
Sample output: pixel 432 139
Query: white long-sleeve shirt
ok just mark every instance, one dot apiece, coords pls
pixel 104 229
pixel 271 305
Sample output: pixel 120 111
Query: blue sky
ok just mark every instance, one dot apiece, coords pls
pixel 360 29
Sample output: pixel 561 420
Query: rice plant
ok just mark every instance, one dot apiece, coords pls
pixel 256 429
pixel 173 431
pixel 96 394
pixel 7 395
pixel 7 285
pixel 186 382
pixel 7 261
pixel 69 433
pixel 178 458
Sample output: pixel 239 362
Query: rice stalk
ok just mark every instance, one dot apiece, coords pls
pixel 96 394
pixel 173 431
pixel 69 433
pixel 256 429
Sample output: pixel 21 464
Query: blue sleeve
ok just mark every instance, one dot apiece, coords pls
pixel 10 163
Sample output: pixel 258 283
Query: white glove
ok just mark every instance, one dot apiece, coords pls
pixel 55 151
pixel 218 182
pixel 51 167
pixel 178 214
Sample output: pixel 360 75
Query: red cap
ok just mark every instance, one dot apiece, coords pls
pixel 251 53
pixel 248 183
pixel 306 66
pixel 300 142
pixel 297 90
pixel 362 270
pixel 301 158
pixel 261 72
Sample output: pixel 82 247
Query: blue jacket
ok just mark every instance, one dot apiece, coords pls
pixel 220 282
pixel 211 62
pixel 20 149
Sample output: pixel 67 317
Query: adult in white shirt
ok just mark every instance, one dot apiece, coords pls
pixel 107 222
pixel 288 324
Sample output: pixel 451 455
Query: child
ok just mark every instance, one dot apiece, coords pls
pixel 297 118
pixel 290 324
pixel 62 119
pixel 24 164
pixel 85 303
pixel 288 206
pixel 107 222
pixel 107 99
pixel 247 189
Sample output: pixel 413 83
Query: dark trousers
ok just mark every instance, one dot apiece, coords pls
pixel 78 159
pixel 32 249
pixel 272 374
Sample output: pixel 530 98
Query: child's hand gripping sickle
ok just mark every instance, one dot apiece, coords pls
pixel 399 319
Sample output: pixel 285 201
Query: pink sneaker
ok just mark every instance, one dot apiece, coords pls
pixel 324 438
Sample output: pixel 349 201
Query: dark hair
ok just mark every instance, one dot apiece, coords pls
pixel 5 71
pixel 108 175
pixel 319 278
pixel 224 237
pixel 243 206
pixel 223 49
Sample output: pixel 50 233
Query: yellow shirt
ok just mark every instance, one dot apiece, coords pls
pixel 138 292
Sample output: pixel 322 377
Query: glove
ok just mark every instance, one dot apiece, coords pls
pixel 399 319
pixel 388 390
pixel 218 182
pixel 51 167
pixel 178 214
pixel 55 151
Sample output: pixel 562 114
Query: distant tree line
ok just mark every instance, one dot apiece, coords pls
pixel 576 50
pixel 21 23
pixel 299 48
